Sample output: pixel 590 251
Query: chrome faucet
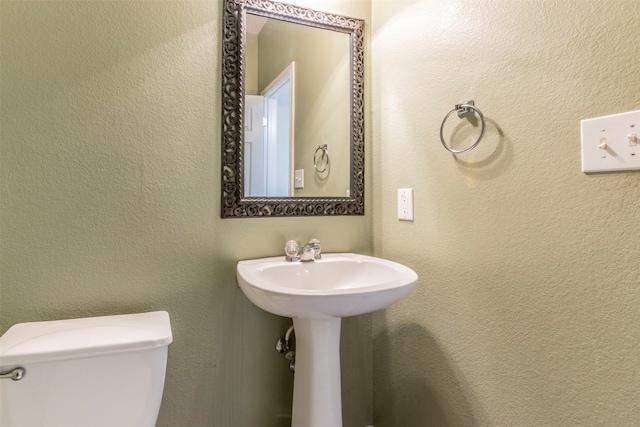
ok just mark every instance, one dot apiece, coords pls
pixel 309 252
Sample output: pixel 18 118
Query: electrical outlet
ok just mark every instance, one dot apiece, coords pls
pixel 298 180
pixel 405 204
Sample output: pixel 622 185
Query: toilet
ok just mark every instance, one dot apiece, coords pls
pixel 92 372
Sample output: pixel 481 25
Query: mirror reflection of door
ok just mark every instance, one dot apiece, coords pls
pixel 268 161
pixel 254 162
pixel 279 109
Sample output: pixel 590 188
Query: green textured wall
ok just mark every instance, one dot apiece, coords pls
pixel 527 309
pixel 110 186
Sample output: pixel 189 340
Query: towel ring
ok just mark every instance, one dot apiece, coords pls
pixel 463 110
pixel 324 153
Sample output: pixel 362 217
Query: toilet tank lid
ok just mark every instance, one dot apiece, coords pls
pixel 38 342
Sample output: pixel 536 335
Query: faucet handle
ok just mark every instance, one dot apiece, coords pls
pixel 317 248
pixel 292 250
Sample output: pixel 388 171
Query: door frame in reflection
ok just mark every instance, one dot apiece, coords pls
pixel 269 139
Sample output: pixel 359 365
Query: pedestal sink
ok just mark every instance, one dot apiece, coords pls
pixel 317 295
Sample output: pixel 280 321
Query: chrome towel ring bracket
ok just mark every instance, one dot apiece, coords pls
pixel 463 110
pixel 323 160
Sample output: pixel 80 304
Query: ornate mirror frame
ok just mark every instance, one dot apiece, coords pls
pixel 234 204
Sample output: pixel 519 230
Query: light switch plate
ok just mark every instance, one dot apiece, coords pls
pixel 611 143
pixel 405 204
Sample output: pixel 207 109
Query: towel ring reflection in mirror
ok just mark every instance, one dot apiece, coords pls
pixel 463 110
pixel 323 160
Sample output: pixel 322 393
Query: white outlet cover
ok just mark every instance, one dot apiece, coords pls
pixel 298 180
pixel 611 143
pixel 405 204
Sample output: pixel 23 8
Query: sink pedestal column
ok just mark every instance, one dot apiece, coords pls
pixel 317 400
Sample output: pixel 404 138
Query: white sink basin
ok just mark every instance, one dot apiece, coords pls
pixel 338 285
pixel 317 295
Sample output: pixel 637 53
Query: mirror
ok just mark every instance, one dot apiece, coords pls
pixel 293 111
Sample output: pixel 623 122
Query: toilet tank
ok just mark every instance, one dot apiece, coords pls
pixel 93 372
